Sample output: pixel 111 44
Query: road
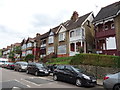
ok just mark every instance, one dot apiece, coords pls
pixel 11 78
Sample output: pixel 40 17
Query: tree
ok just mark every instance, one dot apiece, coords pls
pixel 29 57
pixel 12 56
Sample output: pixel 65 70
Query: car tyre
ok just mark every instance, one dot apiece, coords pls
pixel 116 87
pixel 78 82
pixel 20 70
pixel 55 78
pixel 36 73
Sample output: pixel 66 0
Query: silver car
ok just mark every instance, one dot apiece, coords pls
pixel 20 66
pixel 112 81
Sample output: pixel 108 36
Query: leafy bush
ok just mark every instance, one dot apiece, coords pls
pixel 96 60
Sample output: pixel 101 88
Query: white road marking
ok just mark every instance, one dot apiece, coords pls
pixel 20 82
pixel 30 82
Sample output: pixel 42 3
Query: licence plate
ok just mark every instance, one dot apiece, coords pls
pixel 46 72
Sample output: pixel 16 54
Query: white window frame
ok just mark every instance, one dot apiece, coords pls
pixel 50 50
pixel 61 36
pixel 51 39
pixel 62 49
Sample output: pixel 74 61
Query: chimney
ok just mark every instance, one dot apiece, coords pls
pixel 74 16
pixel 38 34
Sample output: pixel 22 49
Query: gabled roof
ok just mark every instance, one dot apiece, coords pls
pixel 70 24
pixel 54 30
pixel 45 35
pixel 108 11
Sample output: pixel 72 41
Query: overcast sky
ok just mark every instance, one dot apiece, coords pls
pixel 20 19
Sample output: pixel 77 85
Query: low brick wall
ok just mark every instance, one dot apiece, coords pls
pixel 99 72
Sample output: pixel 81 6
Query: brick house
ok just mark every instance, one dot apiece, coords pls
pixel 107 30
pixel 74 34
pixel 43 39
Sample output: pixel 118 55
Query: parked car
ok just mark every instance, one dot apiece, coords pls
pixel 112 81
pixel 20 66
pixel 5 64
pixel 37 69
pixel 10 65
pixel 73 75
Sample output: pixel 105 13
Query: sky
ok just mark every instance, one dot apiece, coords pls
pixel 21 19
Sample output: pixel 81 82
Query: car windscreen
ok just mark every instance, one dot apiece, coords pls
pixel 77 69
pixel 24 64
pixel 40 65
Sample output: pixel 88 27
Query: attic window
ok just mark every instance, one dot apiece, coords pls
pixel 88 23
pixel 106 27
pixel 112 26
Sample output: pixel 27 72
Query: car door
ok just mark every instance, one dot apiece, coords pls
pixel 60 72
pixel 69 74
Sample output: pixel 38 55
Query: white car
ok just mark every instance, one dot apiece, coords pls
pixel 112 81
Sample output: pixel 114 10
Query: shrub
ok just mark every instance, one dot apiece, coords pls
pixel 96 60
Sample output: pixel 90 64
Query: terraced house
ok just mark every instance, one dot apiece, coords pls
pixel 69 37
pixel 107 30
pixel 30 46
pixel 75 34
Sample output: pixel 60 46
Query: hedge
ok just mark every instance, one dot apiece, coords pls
pixel 96 60
pixel 60 60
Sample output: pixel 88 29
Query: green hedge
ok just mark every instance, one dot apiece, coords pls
pixel 96 60
pixel 60 60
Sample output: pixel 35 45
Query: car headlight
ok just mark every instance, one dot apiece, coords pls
pixel 85 76
pixel 41 70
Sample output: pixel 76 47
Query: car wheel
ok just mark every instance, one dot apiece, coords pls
pixel 27 72
pixel 78 82
pixel 36 73
pixel 55 77
pixel 116 87
pixel 20 70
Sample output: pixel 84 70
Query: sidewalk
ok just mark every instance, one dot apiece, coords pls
pixel 100 82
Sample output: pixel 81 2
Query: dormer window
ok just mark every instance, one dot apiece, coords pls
pixel 112 26
pixel 61 36
pixel 106 27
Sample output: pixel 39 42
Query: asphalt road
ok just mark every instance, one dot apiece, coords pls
pixel 11 78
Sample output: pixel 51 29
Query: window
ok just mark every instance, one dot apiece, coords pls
pixel 51 38
pixel 29 45
pixel 24 46
pixel 112 26
pixel 50 50
pixel 111 43
pixel 29 52
pixel 61 36
pixel 106 27
pixel 72 34
pixel 62 49
pixel 78 33
pixel 88 23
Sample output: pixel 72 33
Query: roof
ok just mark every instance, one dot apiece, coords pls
pixel 70 24
pixel 54 30
pixel 45 35
pixel 108 11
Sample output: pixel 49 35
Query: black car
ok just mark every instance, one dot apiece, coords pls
pixel 37 69
pixel 74 75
